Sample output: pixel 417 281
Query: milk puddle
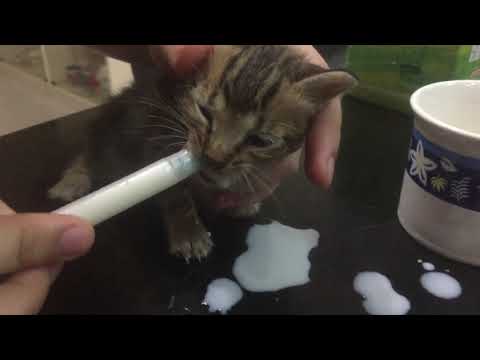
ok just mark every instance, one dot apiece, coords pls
pixel 222 295
pixel 379 296
pixel 441 285
pixel 277 258
pixel 428 266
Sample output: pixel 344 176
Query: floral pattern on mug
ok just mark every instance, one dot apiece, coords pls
pixel 446 175
pixel 420 164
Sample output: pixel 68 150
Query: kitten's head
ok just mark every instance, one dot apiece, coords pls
pixel 252 105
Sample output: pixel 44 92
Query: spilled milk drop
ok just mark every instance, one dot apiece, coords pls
pixel 441 285
pixel 277 258
pixel 428 266
pixel 380 297
pixel 222 295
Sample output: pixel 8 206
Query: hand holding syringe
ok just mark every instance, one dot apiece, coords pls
pixel 133 189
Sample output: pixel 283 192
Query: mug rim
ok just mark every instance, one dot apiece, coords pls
pixel 434 121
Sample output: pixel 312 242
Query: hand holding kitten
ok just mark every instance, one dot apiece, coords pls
pixel 324 138
pixel 246 110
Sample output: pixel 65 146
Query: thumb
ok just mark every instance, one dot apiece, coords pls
pixel 33 240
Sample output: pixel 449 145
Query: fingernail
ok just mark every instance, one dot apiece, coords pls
pixel 331 170
pixel 75 241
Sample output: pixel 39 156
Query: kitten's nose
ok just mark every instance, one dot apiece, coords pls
pixel 215 155
pixel 213 163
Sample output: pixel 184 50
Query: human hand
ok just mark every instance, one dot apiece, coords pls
pixel 33 249
pixel 323 140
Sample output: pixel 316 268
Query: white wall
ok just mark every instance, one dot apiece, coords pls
pixel 8 52
pixel 117 73
pixel 59 56
pixel 120 74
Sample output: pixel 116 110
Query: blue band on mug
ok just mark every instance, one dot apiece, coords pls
pixel 449 176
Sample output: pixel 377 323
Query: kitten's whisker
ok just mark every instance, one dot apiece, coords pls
pixel 154 101
pixel 181 123
pixel 257 169
pixel 173 121
pixel 262 177
pixel 176 130
pixel 163 117
pixel 266 184
pixel 162 109
pixel 262 181
pixel 196 138
pixel 162 104
pixel 245 177
pixel 175 144
pixel 270 190
pixel 167 137
pixel 151 104
pixel 158 102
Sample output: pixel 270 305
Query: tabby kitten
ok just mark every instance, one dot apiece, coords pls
pixel 246 109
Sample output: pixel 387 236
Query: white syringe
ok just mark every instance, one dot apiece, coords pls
pixel 133 189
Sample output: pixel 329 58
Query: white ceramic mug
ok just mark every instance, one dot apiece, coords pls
pixel 440 198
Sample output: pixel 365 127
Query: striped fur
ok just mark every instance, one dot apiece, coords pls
pixel 255 89
pixel 249 108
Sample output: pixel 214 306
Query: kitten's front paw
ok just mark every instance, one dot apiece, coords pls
pixel 71 187
pixel 245 211
pixel 191 243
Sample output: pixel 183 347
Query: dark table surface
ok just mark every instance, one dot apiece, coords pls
pixel 129 271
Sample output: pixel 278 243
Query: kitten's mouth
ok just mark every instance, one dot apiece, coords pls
pixel 229 199
pixel 207 178
pixel 224 197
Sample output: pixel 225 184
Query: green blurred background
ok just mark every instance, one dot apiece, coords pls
pixel 389 74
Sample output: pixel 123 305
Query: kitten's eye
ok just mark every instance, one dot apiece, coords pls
pixel 206 114
pixel 260 141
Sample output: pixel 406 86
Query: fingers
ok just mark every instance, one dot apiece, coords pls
pixel 322 145
pixel 5 209
pixel 33 240
pixel 25 292
pixel 183 59
pixel 323 139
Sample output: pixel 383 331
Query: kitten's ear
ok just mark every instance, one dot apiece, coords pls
pixel 326 85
